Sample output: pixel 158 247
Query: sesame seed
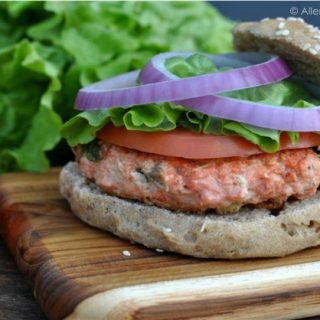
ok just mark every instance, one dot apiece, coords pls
pixel 313 51
pixel 280 19
pixel 203 227
pixel 310 26
pixel 300 19
pixel 317 37
pixel 292 19
pixel 159 250
pixel 126 253
pixel 284 32
pixel 168 230
pixel 281 25
pixel 265 19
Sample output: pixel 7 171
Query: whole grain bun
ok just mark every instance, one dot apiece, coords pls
pixel 249 233
pixel 292 39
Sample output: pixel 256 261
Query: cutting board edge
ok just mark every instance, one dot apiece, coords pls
pixel 246 292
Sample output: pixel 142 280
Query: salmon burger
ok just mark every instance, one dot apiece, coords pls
pixel 208 156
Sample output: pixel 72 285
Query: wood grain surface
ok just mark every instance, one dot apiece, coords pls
pixel 78 272
pixel 16 298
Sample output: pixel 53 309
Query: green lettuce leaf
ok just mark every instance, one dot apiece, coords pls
pixel 168 116
pixel 82 128
pixel 48 50
pixel 29 125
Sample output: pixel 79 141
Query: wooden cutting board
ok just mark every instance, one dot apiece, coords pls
pixel 78 272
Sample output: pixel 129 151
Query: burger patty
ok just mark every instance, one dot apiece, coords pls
pixel 225 185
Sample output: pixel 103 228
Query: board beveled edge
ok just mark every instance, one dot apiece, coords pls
pixel 286 292
pixel 19 236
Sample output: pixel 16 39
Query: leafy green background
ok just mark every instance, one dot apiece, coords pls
pixel 48 50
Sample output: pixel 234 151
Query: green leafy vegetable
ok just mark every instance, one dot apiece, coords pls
pixel 48 50
pixel 28 85
pixel 167 116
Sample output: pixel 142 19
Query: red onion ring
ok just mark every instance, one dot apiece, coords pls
pixel 261 115
pixel 161 86
pixel 282 118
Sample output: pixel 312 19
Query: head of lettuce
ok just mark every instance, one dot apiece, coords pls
pixel 48 50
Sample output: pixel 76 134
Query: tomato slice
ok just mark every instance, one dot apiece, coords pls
pixel 186 144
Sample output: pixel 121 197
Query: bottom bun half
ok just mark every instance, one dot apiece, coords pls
pixel 246 234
